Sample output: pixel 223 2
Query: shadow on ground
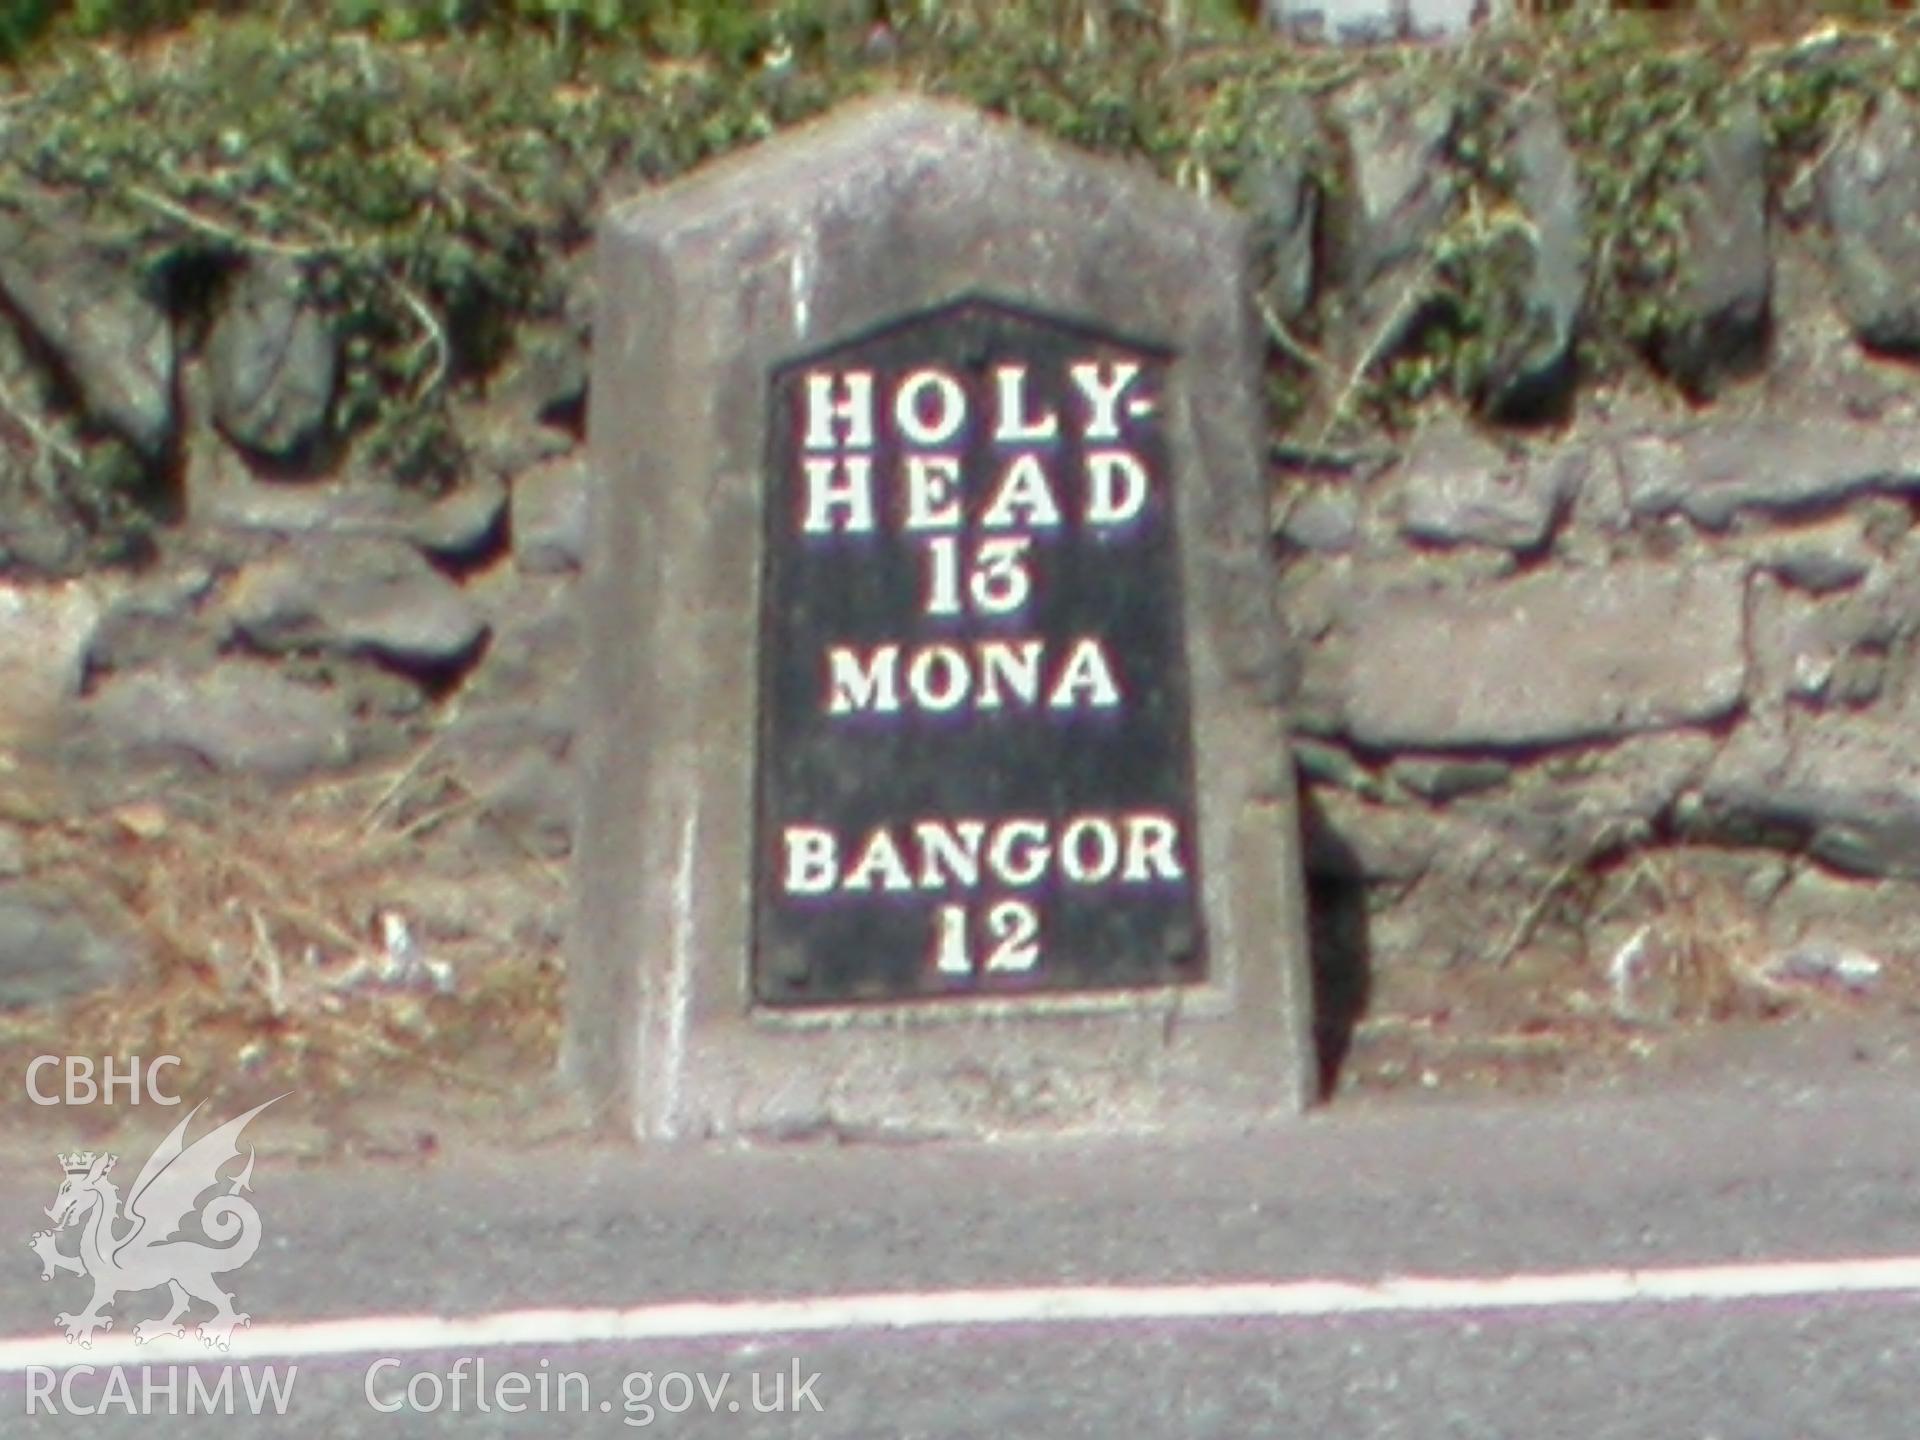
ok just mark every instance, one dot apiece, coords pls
pixel 1337 941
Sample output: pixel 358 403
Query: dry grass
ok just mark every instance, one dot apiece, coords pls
pixel 1698 947
pixel 260 914
pixel 1703 959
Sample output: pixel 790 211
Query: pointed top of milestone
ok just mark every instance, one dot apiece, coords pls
pixel 901 200
pixel 878 137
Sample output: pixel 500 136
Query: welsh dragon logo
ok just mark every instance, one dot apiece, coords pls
pixel 125 1252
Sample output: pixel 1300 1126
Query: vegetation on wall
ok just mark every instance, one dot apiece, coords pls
pixel 431 163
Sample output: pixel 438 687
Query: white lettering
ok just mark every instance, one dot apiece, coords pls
pixel 1103 385
pixel 949 407
pixel 111 1081
pixel 933 499
pixel 1016 663
pixel 272 1384
pixel 1015 425
pixel 216 1401
pixel 457 1378
pixel 1023 488
pixel 854 409
pixel 153 1080
pixel 1074 860
pixel 385 1407
pixel 519 1385
pixel 429 1383
pixel 952 847
pixel 39 1063
pixel 880 859
pixel 1015 927
pixel 67 1402
pixel 988 674
pixel 943 575
pixel 1000 582
pixel 825 495
pixel 81 1089
pixel 813 860
pixel 151 1390
pixel 686 1392
pixel 1018 853
pixel 851 688
pixel 939 678
pixel 117 1393
pixel 804 1391
pixel 139 1079
pixel 1086 669
pixel 934 855
pixel 1151 849
pixel 1106 504
pixel 950 953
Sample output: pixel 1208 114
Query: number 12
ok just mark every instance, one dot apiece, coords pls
pixel 1013 927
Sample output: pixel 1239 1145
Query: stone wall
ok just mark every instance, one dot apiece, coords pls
pixel 301 625
pixel 1528 667
pixel 1608 655
pixel 1641 680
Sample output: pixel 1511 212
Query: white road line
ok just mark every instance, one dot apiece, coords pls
pixel 1065 1304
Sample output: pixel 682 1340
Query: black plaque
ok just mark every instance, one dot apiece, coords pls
pixel 975 763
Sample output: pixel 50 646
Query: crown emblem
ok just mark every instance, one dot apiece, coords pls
pixel 78 1163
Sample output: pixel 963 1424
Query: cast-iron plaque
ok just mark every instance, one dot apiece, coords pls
pixel 974 768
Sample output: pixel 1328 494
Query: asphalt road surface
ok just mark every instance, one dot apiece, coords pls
pixel 1732 1256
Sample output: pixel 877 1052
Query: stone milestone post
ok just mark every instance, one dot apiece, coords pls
pixel 934 782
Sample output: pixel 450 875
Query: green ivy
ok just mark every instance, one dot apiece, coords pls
pixel 427 162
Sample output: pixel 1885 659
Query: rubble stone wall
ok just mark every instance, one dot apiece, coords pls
pixel 1601 621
